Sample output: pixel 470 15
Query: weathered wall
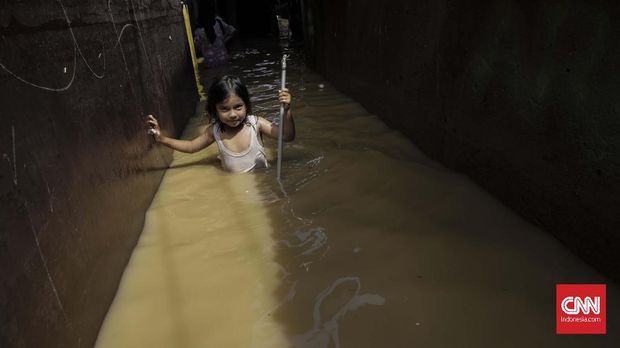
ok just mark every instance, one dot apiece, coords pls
pixel 520 95
pixel 77 170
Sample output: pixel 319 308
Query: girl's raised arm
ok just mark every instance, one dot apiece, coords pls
pixel 189 146
pixel 271 129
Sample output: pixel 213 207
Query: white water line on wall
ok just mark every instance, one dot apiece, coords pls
pixel 5 156
pixel 47 270
pixel 78 51
pixel 51 89
pixel 118 43
pixel 135 17
pixel 14 156
pixel 77 46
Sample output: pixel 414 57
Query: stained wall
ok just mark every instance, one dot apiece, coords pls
pixel 78 170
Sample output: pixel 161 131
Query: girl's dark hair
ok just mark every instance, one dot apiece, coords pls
pixel 222 88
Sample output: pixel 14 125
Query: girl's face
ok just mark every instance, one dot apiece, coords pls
pixel 231 111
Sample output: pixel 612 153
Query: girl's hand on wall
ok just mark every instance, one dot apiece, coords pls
pixel 154 129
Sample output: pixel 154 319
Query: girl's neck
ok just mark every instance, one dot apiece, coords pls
pixel 233 130
pixel 230 129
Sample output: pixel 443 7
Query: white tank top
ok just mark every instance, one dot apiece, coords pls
pixel 240 162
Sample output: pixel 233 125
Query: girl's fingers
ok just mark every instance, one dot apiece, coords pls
pixel 154 130
pixel 152 121
pixel 284 96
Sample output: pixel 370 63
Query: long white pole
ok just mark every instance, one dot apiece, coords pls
pixel 281 123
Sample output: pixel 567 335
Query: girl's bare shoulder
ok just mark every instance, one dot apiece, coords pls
pixel 262 122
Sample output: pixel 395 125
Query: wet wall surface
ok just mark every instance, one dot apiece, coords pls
pixel 77 170
pixel 520 97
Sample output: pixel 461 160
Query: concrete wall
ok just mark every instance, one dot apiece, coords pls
pixel 77 170
pixel 520 95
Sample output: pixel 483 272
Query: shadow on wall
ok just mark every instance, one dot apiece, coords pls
pixel 78 171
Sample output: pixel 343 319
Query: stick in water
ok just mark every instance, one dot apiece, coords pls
pixel 280 147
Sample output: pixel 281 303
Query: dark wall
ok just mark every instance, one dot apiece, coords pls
pixel 251 18
pixel 520 95
pixel 256 18
pixel 78 171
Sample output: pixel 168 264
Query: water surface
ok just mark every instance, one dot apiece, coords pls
pixel 367 243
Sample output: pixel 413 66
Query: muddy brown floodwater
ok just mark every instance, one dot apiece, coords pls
pixel 368 243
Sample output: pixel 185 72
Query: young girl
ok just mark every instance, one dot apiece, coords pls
pixel 237 133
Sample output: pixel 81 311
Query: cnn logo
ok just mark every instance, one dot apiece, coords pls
pixel 574 305
pixel 581 309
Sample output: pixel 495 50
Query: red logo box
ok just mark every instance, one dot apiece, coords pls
pixel 581 309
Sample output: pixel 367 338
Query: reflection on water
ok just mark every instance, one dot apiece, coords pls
pixel 366 244
pixel 324 332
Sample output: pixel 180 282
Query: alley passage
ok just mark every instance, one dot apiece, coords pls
pixel 367 244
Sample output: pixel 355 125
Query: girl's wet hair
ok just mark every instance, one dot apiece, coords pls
pixel 222 88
